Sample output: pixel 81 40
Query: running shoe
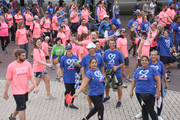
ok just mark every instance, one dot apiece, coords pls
pixel 50 97
pixel 12 118
pixel 160 118
pixel 124 85
pixel 129 79
pixel 123 75
pixel 51 68
pixel 168 79
pixel 168 71
pixel 58 78
pixel 73 107
pixel 118 104
pixel 4 52
pixel 139 115
pixel 106 99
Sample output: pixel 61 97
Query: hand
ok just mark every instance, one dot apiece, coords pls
pixel 117 33
pixel 115 68
pixel 36 90
pixel 159 94
pixel 49 65
pixel 131 94
pixel 166 85
pixel 62 80
pixel 75 95
pixel 75 64
pixel 6 96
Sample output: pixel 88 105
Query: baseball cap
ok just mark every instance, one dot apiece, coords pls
pixel 61 26
pixel 36 17
pixel 116 13
pixel 47 38
pixel 123 30
pixel 134 14
pixel 105 16
pixel 68 47
pixel 91 45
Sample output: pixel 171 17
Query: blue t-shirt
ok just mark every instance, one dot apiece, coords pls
pixel 116 21
pixel 164 44
pixel 61 19
pixel 1 12
pixel 24 10
pixel 137 7
pixel 112 33
pixel 69 70
pixel 51 11
pixel 86 58
pixel 145 82
pixel 113 58
pixel 145 26
pixel 99 52
pixel 96 83
pixel 176 28
pixel 131 22
pixel 95 16
pixel 12 11
pixel 159 67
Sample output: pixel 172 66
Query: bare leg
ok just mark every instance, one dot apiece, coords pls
pixel 22 115
pixel 169 66
pixel 127 71
pixel 89 101
pixel 38 80
pixel 58 70
pixel 119 93
pixel 15 113
pixel 122 69
pixel 107 92
pixel 47 82
pixel 42 11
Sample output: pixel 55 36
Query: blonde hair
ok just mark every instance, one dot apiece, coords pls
pixel 20 23
pixel 65 19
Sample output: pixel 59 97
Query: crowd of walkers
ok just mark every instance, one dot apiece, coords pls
pixel 90 52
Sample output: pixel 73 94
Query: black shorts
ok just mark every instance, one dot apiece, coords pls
pixel 21 101
pixel 47 57
pixel 153 48
pixel 126 61
pixel 166 60
pixel 27 27
pixel 47 34
pixel 74 27
pixel 55 34
pixel 119 82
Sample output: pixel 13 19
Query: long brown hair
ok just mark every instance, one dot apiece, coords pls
pixel 34 43
pixel 91 61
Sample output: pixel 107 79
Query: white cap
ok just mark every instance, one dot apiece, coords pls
pixel 47 38
pixel 105 16
pixel 36 17
pixel 91 45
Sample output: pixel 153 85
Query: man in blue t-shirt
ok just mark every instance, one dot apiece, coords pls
pixel 176 33
pixel 114 59
pixel 50 9
pixel 116 20
pixel 85 63
pixel 137 6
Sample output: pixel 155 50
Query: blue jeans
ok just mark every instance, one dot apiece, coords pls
pixel 177 44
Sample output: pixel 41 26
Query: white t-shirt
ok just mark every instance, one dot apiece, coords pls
pixel 152 10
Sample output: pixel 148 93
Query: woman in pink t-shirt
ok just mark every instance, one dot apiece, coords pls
pixel 152 34
pixel 18 17
pixel 66 29
pixel 21 37
pixel 10 23
pixel 29 18
pixel 39 67
pixel 62 35
pixel 4 35
pixel 139 19
pixel 101 11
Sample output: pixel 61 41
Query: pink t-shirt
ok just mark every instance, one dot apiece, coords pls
pixel 74 48
pixel 46 24
pixel 17 16
pixel 38 55
pixel 101 11
pixel 21 36
pixel 85 14
pixel 146 47
pixel 76 19
pixel 82 29
pixel 27 17
pixel 45 47
pixel 82 51
pixel 139 19
pixel 67 31
pixel 164 16
pixel 35 26
pixel 122 44
pixel 10 18
pixel 54 22
pixel 153 35
pixel 63 37
pixel 4 29
pixel 86 42
pixel 102 41
pixel 171 13
pixel 19 74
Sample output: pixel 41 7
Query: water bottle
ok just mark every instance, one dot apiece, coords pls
pixel 164 92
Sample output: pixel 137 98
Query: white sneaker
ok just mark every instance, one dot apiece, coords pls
pixel 139 115
pixel 160 118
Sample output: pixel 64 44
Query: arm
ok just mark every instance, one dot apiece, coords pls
pixel 158 81
pixel 82 72
pixel 157 35
pixel 8 82
pixel 131 35
pixel 165 80
pixel 163 20
pixel 140 48
pixel 102 69
pixel 119 66
pixel 174 32
pixel 44 63
pixel 33 81
pixel 74 16
pixel 61 74
pixel 132 87
pixel 83 85
pixel 77 43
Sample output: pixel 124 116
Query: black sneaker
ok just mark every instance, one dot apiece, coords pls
pixel 168 71
pixel 66 105
pixel 74 107
pixel 106 99
pixel 118 104
pixel 12 118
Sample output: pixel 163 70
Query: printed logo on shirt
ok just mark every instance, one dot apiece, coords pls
pixel 111 57
pixel 143 74
pixel 99 75
pixel 21 70
pixel 136 25
pixel 146 26
pixel 167 43
pixel 118 21
pixel 155 66
pixel 70 63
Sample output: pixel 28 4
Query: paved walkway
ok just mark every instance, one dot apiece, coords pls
pixel 41 109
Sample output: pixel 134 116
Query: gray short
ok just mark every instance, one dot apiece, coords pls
pixel 40 74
